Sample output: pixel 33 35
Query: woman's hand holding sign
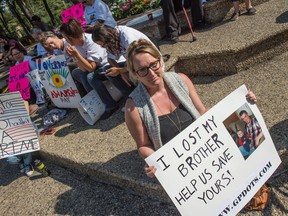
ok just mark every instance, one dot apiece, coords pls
pixel 251 97
pixel 150 171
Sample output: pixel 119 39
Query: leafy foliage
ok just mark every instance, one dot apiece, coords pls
pixel 34 7
pixel 11 25
pixel 125 8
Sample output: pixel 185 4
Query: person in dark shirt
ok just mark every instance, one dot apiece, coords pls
pixel 172 26
pixel 7 45
pixel 37 23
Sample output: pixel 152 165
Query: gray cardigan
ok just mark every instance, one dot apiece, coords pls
pixel 147 110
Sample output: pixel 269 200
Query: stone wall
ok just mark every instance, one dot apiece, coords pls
pixel 215 11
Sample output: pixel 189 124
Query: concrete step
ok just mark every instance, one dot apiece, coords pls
pixel 215 11
pixel 106 151
pixel 229 47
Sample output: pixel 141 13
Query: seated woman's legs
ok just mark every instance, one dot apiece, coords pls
pixel 119 83
pixel 81 77
pixel 96 82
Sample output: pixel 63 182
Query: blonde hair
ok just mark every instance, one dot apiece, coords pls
pixel 141 46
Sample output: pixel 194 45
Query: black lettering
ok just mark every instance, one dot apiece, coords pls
pixel 183 170
pixel 177 153
pixel 161 159
pixel 190 163
pixel 215 138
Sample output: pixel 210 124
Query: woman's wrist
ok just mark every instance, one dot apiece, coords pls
pixel 123 70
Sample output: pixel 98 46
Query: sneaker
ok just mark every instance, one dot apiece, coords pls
pixel 251 11
pixel 171 38
pixel 29 170
pixel 234 16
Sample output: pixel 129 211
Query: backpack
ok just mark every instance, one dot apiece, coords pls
pixel 259 200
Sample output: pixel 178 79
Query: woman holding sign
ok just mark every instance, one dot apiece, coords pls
pixel 90 59
pixel 8 44
pixel 19 56
pixel 162 105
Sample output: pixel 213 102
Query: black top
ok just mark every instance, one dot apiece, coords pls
pixel 168 130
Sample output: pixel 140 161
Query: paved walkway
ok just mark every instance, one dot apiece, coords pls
pixel 67 193
pixel 106 152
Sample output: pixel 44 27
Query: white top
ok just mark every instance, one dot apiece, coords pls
pixel 40 50
pixel 32 63
pixel 99 11
pixel 92 51
pixel 127 36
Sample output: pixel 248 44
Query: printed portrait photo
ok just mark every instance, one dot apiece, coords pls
pixel 245 130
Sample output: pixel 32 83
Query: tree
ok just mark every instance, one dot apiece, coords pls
pixel 12 6
pixel 4 21
pixel 49 12
pixel 23 7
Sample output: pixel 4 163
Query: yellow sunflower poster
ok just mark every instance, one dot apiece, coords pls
pixel 58 82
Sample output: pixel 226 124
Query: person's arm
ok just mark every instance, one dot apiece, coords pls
pixel 8 53
pixel 193 95
pixel 259 136
pixel 139 133
pixel 137 129
pixel 115 70
pixel 101 11
pixel 82 63
pixel 251 97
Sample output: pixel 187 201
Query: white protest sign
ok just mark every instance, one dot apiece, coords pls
pixel 204 169
pixel 58 82
pixel 17 133
pixel 37 86
pixel 91 107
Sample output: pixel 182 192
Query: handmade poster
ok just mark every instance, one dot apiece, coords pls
pixel 37 86
pixel 76 11
pixel 91 107
pixel 18 80
pixel 58 82
pixel 17 133
pixel 207 170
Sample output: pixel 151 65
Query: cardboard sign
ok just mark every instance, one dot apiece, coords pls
pixel 18 80
pixel 58 82
pixel 37 86
pixel 204 169
pixel 91 107
pixel 17 133
pixel 75 11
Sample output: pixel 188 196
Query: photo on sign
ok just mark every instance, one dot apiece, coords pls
pixel 244 130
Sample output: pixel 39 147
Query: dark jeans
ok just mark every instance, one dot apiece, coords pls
pixel 119 83
pixel 170 7
pixel 94 80
pixel 171 21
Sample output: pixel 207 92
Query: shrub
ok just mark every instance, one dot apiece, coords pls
pixel 125 8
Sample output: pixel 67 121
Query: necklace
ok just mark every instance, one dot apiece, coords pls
pixel 178 124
